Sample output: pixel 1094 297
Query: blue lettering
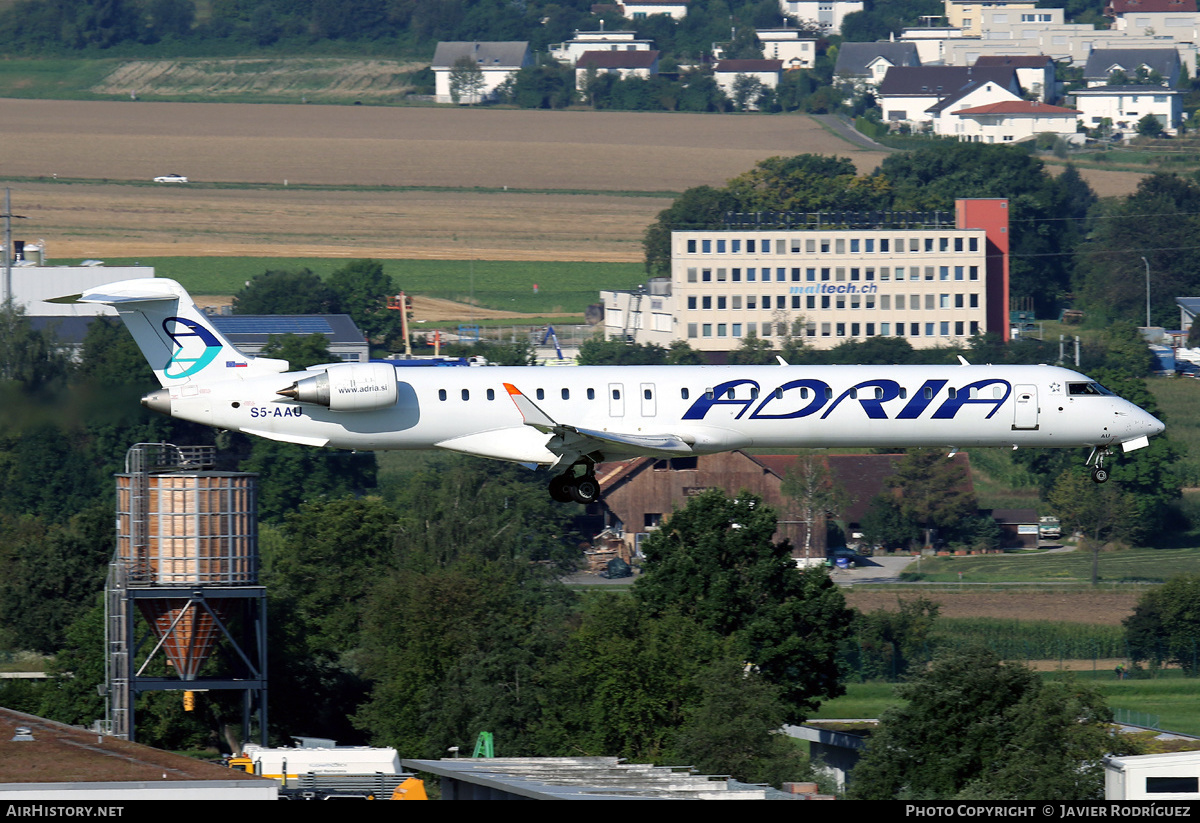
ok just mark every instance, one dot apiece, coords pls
pixel 921 400
pixel 963 396
pixel 717 397
pixel 872 405
pixel 819 388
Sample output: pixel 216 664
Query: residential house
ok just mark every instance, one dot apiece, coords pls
pixel 1014 120
pixel 968 14
pixel 864 65
pixel 1102 64
pixel 623 64
pixel 796 49
pixel 917 96
pixel 641 9
pixel 931 42
pixel 584 41
pixel 497 61
pixel 1124 106
pixel 1044 31
pixel 1035 72
pixel 728 72
pixel 1175 18
pixel 828 15
pixel 974 93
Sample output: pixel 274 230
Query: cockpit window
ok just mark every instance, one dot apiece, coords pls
pixel 1080 389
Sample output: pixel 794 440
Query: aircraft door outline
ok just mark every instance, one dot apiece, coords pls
pixel 616 399
pixel 1025 410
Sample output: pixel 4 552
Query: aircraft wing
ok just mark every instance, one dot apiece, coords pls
pixel 570 442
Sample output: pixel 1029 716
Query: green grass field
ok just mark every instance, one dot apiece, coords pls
pixel 1130 565
pixel 52 79
pixel 1178 399
pixel 1169 699
pixel 563 288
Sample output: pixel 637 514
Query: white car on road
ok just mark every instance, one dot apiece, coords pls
pixel 171 178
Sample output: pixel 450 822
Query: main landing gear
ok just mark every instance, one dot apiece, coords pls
pixel 572 485
pixel 1099 473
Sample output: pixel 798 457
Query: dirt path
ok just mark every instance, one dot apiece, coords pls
pixel 430 309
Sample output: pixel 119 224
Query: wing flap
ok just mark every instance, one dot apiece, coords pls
pixel 570 442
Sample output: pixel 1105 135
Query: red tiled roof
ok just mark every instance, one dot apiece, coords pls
pixel 1018 107
pixel 1128 6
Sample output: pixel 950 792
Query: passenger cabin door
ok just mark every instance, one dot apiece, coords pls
pixel 1025 414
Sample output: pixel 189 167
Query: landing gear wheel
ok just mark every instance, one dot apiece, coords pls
pixel 586 490
pixel 560 489
pixel 1099 475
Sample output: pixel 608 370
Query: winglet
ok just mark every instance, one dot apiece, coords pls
pixel 533 415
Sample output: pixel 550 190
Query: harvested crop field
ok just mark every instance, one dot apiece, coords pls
pixel 582 163
pixel 81 221
pixel 378 146
pixel 1107 608
pixel 512 184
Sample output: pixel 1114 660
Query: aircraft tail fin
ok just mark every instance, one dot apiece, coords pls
pixel 178 340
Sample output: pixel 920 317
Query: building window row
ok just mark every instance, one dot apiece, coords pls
pixel 830 274
pixel 832 245
pixel 942 328
pixel 884 302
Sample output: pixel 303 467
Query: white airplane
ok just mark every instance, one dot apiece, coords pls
pixel 571 419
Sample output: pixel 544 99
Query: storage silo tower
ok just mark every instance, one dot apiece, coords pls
pixel 187 561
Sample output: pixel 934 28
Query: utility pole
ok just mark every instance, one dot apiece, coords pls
pixel 1147 262
pixel 8 253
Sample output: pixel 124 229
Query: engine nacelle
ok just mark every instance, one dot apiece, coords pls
pixel 348 387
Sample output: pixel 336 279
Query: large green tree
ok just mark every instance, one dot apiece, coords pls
pixel 974 726
pixel 716 563
pixel 362 290
pixel 1043 211
pixel 1164 628
pixel 934 493
pixel 285 291
pixel 1157 227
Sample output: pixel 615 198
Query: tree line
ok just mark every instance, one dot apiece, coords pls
pixel 410 27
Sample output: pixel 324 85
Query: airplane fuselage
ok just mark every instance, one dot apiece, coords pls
pixel 710 408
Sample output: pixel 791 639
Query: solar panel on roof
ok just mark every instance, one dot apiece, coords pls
pixel 272 325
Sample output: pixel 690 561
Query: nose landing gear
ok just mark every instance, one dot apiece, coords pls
pixel 1099 473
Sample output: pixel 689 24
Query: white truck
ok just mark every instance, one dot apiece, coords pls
pixel 331 772
pixel 1049 528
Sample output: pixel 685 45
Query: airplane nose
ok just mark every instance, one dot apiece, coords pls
pixel 1149 425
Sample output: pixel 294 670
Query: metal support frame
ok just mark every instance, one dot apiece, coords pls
pixel 247 664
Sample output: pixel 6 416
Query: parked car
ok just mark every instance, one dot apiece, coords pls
pixel 171 178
